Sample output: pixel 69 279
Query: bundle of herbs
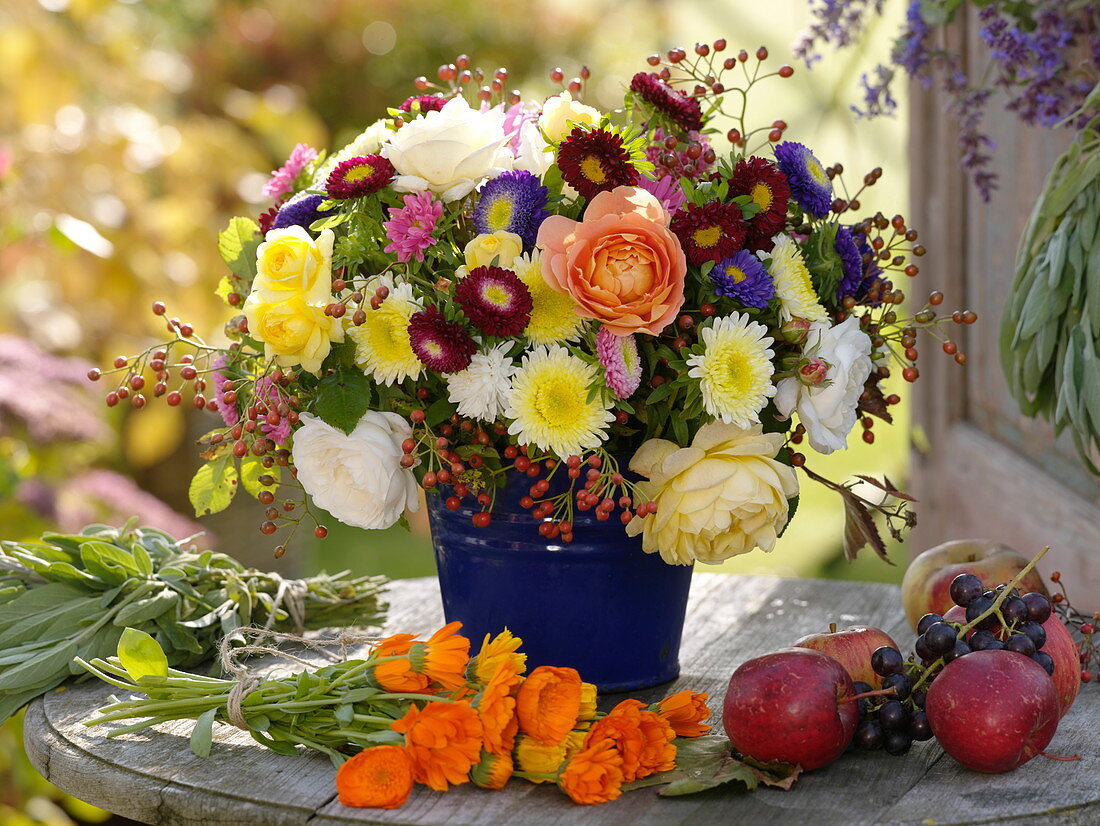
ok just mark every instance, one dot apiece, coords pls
pixel 71 596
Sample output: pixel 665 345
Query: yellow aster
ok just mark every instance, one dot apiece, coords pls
pixel 554 317
pixel 735 369
pixel 549 405
pixel 382 345
pixel 793 285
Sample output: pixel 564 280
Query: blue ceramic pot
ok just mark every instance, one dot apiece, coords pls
pixel 599 604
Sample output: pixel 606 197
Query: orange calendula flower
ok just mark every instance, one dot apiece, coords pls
pixel 497 709
pixel 685 712
pixel 549 702
pixel 379 778
pixel 493 771
pixel 643 738
pixel 443 657
pixel 397 675
pixel 504 646
pixel 594 774
pixel 444 741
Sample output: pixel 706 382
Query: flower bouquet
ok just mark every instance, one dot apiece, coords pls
pixel 557 321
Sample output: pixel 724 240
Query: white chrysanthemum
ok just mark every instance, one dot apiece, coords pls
pixel 735 369
pixel 554 318
pixel 382 346
pixel 550 406
pixel 367 142
pixel 828 410
pixel 481 389
pixel 793 285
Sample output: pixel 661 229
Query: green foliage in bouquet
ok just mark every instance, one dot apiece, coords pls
pixel 71 596
pixel 1051 325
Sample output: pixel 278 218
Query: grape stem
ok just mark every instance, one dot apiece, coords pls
pixel 995 608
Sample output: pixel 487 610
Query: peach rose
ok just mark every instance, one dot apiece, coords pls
pixel 621 263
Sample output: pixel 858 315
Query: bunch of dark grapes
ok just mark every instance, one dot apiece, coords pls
pixel 893 718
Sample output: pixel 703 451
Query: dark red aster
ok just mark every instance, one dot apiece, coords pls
pixel 267 219
pixel 425 103
pixel 762 181
pixel 682 110
pixel 495 301
pixel 593 161
pixel 710 232
pixel 359 176
pixel 444 346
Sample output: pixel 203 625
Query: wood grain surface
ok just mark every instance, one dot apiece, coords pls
pixel 153 777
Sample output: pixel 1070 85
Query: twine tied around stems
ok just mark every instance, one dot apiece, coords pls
pixel 229 654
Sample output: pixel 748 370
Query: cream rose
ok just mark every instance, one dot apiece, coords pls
pixel 561 113
pixel 722 496
pixel 826 404
pixel 291 263
pixel 357 476
pixel 501 245
pixel 293 331
pixel 450 151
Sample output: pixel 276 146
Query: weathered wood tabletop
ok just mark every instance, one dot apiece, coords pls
pixel 152 776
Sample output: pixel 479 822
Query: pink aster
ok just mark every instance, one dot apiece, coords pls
pixel 228 411
pixel 621 364
pixel 667 190
pixel 273 426
pixel 282 179
pixel 410 227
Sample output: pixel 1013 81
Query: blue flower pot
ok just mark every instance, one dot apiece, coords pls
pixel 599 604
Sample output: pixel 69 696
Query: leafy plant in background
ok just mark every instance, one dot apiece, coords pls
pixel 1043 55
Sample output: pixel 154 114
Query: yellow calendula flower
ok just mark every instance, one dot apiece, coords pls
pixel 554 318
pixel 793 284
pixel 549 403
pixel 502 246
pixel 539 758
pixel 735 369
pixel 588 702
pixel 493 771
pixel 382 345
pixel 291 263
pixel 504 646
pixel 293 331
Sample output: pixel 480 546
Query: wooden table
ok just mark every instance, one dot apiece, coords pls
pixel 152 776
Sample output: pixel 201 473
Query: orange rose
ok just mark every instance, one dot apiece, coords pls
pixel 621 264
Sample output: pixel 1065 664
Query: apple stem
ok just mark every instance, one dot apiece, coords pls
pixel 832 627
pixel 879 693
pixel 1063 759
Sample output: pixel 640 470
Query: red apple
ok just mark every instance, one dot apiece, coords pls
pixel 924 589
pixel 852 648
pixel 791 706
pixel 992 710
pixel 1060 646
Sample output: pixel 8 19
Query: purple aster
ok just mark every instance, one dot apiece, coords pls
pixel 621 363
pixel 851 261
pixel 810 186
pixel 743 277
pixel 299 212
pixel 512 202
pixel 864 284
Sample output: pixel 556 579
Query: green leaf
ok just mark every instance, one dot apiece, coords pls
pixel 213 486
pixel 342 399
pixel 329 222
pixel 237 245
pixel 252 468
pixel 203 733
pixel 704 763
pixel 439 411
pixel 141 656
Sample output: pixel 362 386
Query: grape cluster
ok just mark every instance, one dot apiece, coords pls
pixel 894 717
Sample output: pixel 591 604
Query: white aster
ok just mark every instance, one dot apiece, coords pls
pixel 793 284
pixel 735 369
pixel 480 391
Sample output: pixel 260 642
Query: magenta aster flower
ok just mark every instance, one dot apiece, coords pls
pixel 495 301
pixel 359 176
pixel 682 110
pixel 621 364
pixel 282 179
pixel 410 227
pixel 444 346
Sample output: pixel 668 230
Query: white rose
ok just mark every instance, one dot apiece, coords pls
pixel 357 477
pixel 561 113
pixel 828 410
pixel 450 151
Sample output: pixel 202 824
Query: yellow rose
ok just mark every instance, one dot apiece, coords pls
pixel 722 496
pixel 293 331
pixel 289 262
pixel 506 247
pixel 561 113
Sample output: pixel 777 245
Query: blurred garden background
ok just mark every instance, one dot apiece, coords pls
pixel 130 132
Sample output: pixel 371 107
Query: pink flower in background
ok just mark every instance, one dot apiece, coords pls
pixel 228 411
pixel 282 179
pixel 5 159
pixel 410 227
pixel 621 364
pixel 268 393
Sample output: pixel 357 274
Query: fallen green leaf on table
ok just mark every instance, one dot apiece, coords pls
pixel 71 596
pixel 704 763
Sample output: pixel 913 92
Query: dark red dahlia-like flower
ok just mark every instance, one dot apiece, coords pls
pixel 682 110
pixel 593 161
pixel 360 176
pixel 762 181
pixel 423 103
pixel 267 219
pixel 710 232
pixel 444 346
pixel 495 301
